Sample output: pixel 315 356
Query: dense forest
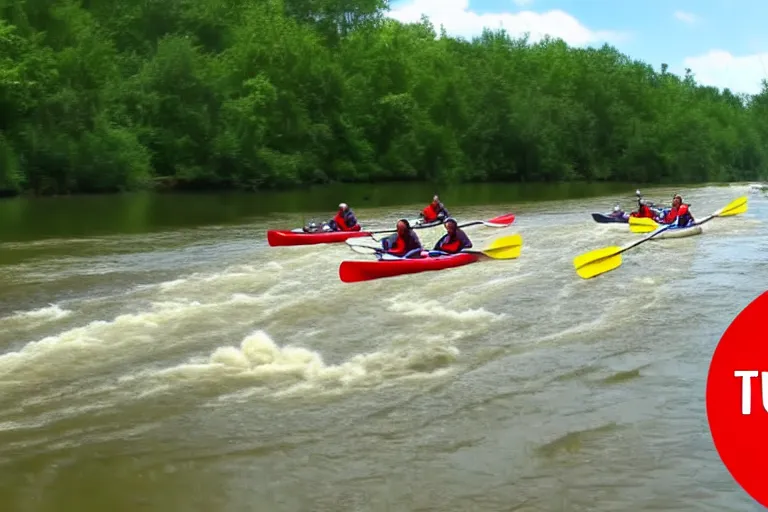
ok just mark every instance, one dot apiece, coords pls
pixel 117 95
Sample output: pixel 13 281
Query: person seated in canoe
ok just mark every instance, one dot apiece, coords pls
pixel 643 210
pixel 344 220
pixel 454 240
pixel 679 214
pixel 404 243
pixel 434 212
pixel 618 212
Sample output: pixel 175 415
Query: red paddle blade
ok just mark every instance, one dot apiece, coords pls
pixel 502 220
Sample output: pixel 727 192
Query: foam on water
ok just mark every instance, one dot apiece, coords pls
pixel 436 309
pixel 52 312
pixel 262 366
pixel 180 317
pixel 98 343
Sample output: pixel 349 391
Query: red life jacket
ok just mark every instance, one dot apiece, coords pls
pixel 451 246
pixel 684 215
pixel 341 221
pixel 430 213
pixel 671 216
pixel 643 211
pixel 398 248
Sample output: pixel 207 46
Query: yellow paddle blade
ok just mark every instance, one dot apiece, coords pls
pixel 504 248
pixel 642 228
pixel 736 207
pixel 642 225
pixel 643 221
pixel 599 261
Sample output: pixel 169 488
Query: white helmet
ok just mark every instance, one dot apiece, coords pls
pixel 343 206
pixel 616 208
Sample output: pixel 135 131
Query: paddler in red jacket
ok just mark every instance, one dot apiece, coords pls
pixel 344 220
pixel 643 210
pixel 434 211
pixel 404 243
pixel 679 213
pixel 454 240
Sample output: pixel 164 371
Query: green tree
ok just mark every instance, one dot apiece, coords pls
pixel 106 96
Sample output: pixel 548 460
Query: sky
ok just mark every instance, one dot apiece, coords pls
pixel 721 41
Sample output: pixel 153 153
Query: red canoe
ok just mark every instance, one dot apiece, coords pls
pixel 279 238
pixel 356 271
pixel 282 238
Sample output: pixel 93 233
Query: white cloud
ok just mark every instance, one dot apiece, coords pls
pixel 686 17
pixel 459 20
pixel 721 69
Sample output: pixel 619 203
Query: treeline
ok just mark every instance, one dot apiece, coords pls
pixel 115 95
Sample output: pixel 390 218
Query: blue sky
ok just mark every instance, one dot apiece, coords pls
pixel 682 33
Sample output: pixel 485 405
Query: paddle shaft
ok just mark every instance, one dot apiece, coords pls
pixel 668 226
pixel 698 222
pixel 504 244
pixel 379 250
pixel 642 240
pixel 502 221
pixel 468 251
pixel 432 253
pixel 424 226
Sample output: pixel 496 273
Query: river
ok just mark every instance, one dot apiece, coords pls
pixel 160 356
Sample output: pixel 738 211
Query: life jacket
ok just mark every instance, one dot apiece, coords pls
pixel 643 211
pixel 684 216
pixel 671 216
pixel 430 212
pixel 403 245
pixel 341 221
pixel 451 246
pixel 400 247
